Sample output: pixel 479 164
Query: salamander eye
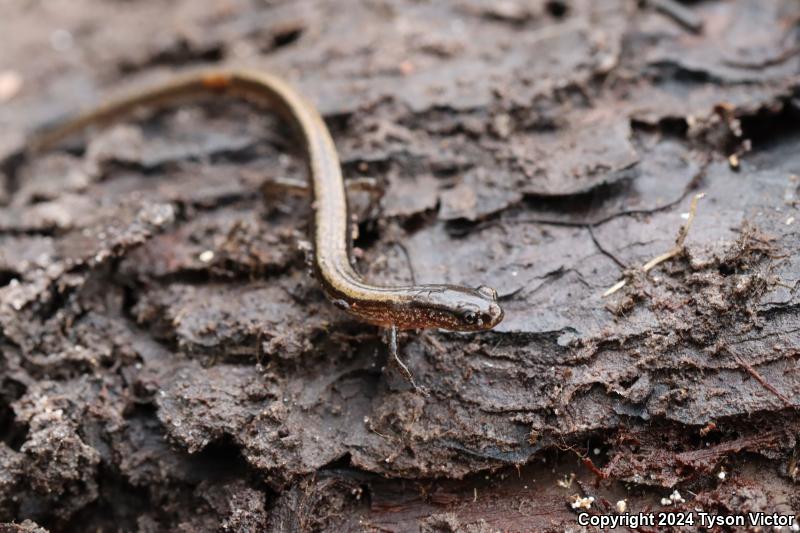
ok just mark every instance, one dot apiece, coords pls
pixel 488 292
pixel 470 317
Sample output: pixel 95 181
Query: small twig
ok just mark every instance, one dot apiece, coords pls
pixel 588 463
pixel 674 251
pixel 758 377
pixel 615 287
pixel 379 433
pixel 680 14
pixel 408 261
pixel 678 248
pixel 603 251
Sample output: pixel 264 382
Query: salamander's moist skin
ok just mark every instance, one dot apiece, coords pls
pixel 406 307
pixel 429 306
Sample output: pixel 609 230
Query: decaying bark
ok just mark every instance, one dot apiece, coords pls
pixel 167 363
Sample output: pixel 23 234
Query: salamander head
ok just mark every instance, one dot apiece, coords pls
pixel 457 308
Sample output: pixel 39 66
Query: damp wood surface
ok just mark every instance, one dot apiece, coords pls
pixel 167 363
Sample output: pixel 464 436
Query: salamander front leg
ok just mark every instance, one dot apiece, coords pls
pixel 392 341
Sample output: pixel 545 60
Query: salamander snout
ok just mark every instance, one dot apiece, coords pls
pixel 490 313
pixel 495 314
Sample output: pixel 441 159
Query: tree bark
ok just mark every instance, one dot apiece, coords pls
pixel 167 362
